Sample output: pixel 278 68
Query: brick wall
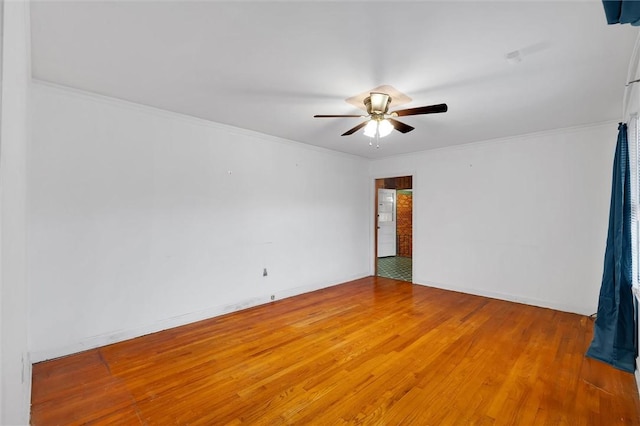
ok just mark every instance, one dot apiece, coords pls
pixel 404 224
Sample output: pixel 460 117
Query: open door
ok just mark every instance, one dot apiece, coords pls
pixel 386 222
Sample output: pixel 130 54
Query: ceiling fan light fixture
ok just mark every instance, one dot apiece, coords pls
pixel 371 128
pixel 384 128
pixel 378 127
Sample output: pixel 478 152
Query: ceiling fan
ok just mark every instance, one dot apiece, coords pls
pixel 380 122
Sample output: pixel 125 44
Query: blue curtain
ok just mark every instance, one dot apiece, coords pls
pixel 622 11
pixel 614 328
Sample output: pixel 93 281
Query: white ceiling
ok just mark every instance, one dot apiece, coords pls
pixel 269 66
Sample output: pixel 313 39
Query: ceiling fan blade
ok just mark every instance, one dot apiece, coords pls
pixel 401 127
pixel 336 116
pixel 431 109
pixel 355 129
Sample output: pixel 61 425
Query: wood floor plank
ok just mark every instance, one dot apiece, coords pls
pixel 371 351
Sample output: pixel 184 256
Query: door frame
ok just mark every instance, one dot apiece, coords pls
pixel 373 223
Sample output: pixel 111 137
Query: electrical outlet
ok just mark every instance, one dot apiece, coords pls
pixel 264 272
pixel 273 297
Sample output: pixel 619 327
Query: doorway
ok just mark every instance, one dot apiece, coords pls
pixel 394 228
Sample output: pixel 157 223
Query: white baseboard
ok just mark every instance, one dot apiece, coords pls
pixel 167 323
pixel 508 297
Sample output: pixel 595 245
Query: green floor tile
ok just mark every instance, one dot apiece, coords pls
pixel 395 267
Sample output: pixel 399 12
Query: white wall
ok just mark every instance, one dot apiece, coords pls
pixel 142 220
pixel 522 219
pixel 136 224
pixel 15 367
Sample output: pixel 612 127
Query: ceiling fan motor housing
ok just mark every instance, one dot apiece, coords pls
pixel 377 105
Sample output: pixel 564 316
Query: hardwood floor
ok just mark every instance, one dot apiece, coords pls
pixel 372 351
